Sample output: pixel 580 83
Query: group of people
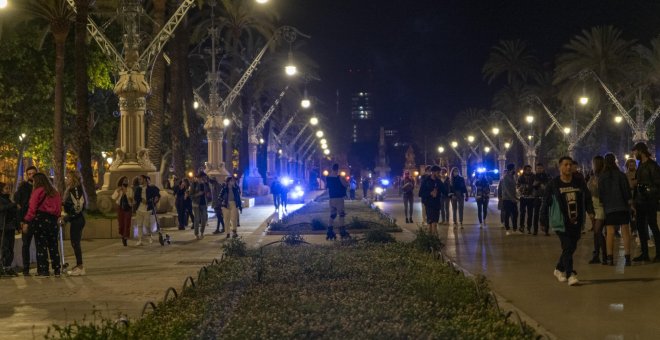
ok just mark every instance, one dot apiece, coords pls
pixel 36 211
pixel 523 196
pixel 437 191
pixel 280 192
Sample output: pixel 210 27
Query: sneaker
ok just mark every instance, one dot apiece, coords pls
pixel 561 277
pixel 10 272
pixel 573 280
pixel 138 243
pixel 642 258
pixel 151 239
pixel 461 225
pixel 42 275
pixel 522 230
pixel 124 242
pixel 216 232
pixel 201 236
pixel 57 273
pixel 76 271
pixel 411 221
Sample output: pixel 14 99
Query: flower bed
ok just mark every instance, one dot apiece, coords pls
pixel 352 292
pixel 313 219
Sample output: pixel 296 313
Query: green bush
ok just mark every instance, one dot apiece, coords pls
pixel 293 239
pixel 424 241
pixel 235 247
pixel 379 236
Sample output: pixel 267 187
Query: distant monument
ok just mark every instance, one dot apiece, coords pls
pixel 410 165
pixel 382 168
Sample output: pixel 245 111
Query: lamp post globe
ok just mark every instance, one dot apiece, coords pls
pixel 507 145
pixel 319 134
pixel 584 100
pixel 4 4
pixel 454 144
pixel 470 139
pixel 226 122
pixel 326 152
pixel 313 120
pixel 441 149
pixel 291 70
pixel 323 141
pixel 567 130
pixel 529 119
pixel 496 131
pixel 618 119
pixel 305 103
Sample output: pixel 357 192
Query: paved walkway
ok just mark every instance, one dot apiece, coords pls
pixel 119 280
pixel 610 303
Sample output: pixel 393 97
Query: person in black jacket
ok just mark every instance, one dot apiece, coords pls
pixel 539 185
pixel 444 199
pixel 22 200
pixel 525 187
pixel 232 205
pixel 431 192
pixel 614 194
pixel 8 228
pixel 458 194
pixel 425 175
pixel 146 196
pixel 75 202
pixel 574 200
pixel 646 201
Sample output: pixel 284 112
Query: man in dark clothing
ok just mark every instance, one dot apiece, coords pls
pixel 8 230
pixel 337 191
pixel 526 190
pixel 574 200
pixel 407 187
pixel 431 192
pixel 22 200
pixel 425 175
pixel 645 197
pixel 506 192
pixel 539 185
pixel 365 187
pixel 275 189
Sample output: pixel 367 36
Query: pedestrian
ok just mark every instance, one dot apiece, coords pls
pixel 123 197
pixel 458 194
pixel 284 194
pixel 425 175
pixel 482 195
pixel 444 197
pixel 201 192
pixel 8 228
pixel 146 197
pixel 180 192
pixel 75 203
pixel 597 164
pixel 353 187
pixel 507 195
pixel 276 189
pixel 539 185
pixel 646 201
pixel 614 193
pixel 43 212
pixel 187 205
pixel 525 188
pixel 631 170
pixel 407 188
pixel 431 193
pixel 365 187
pixel 337 191
pixel 570 201
pixel 230 196
pixel 216 188
pixel 22 200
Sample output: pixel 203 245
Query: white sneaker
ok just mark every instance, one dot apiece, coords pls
pixel 201 236
pixel 138 243
pixel 151 239
pixel 76 271
pixel 573 280
pixel 561 277
pixel 508 233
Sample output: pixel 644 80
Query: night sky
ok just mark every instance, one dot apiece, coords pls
pixel 426 56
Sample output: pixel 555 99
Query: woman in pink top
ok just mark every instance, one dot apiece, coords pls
pixel 42 215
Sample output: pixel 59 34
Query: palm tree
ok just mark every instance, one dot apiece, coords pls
pixel 58 14
pixel 512 58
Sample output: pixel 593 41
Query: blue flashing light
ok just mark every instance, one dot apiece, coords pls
pixel 286 181
pixel 481 170
pixel 385 181
pixel 496 171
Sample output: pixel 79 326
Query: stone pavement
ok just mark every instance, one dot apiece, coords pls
pixel 119 280
pixel 610 302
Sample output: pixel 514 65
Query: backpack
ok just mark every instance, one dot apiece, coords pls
pixel 556 217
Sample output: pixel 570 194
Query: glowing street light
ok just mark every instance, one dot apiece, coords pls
pixel 195 105
pixel 314 121
pixel 261 141
pixel 567 130
pixel 291 70
pixel 529 119
pixel 507 145
pixel 279 151
pixel 584 100
pixel 3 4
pixel 305 103
pixel 109 160
pixel 326 152
pixel 319 134
pixel 470 139
pixel 262 2
pixel 454 144
pixel 324 146
pixel 226 122
pixel 324 141
pixel 618 119
pixel 441 149
pixel 530 137
pixel 496 131
pixel 487 149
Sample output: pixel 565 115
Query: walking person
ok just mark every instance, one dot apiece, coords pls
pixel 646 201
pixel 614 193
pixel 8 229
pixel 631 173
pixel 230 196
pixel 43 212
pixel 570 200
pixel 75 203
pixel 365 188
pixel 407 188
pixel 123 197
pixel 431 192
pixel 482 195
pixel 444 197
pixel 22 200
pixel 352 188
pixel 187 205
pixel 507 195
pixel 458 194
pixel 284 196
pixel 180 192
pixel 337 191
pixel 146 197
pixel 276 189
pixel 526 190
pixel 539 185
pixel 597 164
pixel 201 192
pixel 216 188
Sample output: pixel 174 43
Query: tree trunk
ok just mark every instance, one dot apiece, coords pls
pixel 176 102
pixel 60 31
pixel 156 102
pixel 195 125
pixel 82 108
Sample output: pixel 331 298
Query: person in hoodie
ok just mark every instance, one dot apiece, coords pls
pixel 8 228
pixel 526 189
pixel 22 200
pixel 506 192
pixel 458 194
pixel 574 200
pixel 75 202
pixel 614 193
pixel 43 212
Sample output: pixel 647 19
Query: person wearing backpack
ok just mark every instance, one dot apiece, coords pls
pixel 646 201
pixel 566 203
pixel 75 202
pixel 407 187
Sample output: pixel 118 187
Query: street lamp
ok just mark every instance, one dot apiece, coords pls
pixel 262 2
pixel 441 149
pixel 3 4
pixel 584 100
pixel 323 141
pixel 195 105
pixel 496 131
pixel 324 146
pixel 314 121
pixel 326 152
pixel 530 137
pixel 567 130
pixel 507 145
pixel 470 139
pixel 319 134
pixel 226 122
pixel 487 149
pixel 618 119
pixel 529 119
pixel 454 144
pixel 305 103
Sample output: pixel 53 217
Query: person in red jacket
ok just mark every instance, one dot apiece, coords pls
pixel 43 212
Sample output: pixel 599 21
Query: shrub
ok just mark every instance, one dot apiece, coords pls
pixel 293 238
pixel 379 236
pixel 424 241
pixel 317 224
pixel 235 247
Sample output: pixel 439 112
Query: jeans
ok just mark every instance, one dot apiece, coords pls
pixel 537 213
pixel 7 247
pixel 526 208
pixel 408 205
pixel 457 202
pixel 277 200
pixel 510 209
pixel 444 208
pixel 201 217
pixel 482 209
pixel 45 236
pixel 569 240
pixel 181 216
pixel 221 220
pixel 25 249
pixel 77 225
pixel 143 221
pixel 646 216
